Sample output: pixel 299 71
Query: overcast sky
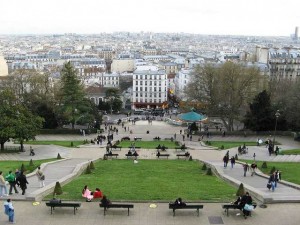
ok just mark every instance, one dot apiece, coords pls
pixel 231 17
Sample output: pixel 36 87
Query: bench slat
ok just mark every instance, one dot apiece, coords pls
pixel 174 207
pixel 128 206
pixel 75 205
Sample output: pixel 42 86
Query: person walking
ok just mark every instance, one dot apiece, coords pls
pixel 232 161
pixel 3 188
pixel 9 211
pixel 41 177
pixel 12 182
pixel 272 180
pixel 225 160
pixel 253 167
pixel 22 181
pixel 246 168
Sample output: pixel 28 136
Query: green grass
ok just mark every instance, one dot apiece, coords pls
pixel 290 152
pixel 289 170
pixel 148 144
pixel 59 143
pixel 230 144
pixel 6 166
pixel 151 180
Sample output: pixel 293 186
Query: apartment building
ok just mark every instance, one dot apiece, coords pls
pixel 182 78
pixel 282 63
pixel 150 88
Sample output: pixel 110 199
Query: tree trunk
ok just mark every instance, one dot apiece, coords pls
pixel 22 145
pixel 2 145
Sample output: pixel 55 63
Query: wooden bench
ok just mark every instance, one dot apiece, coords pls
pixel 53 204
pixel 111 155
pixel 114 147
pixel 233 206
pixel 162 155
pixel 183 155
pixel 160 148
pixel 156 138
pixel 129 156
pixel 181 148
pixel 169 139
pixel 128 206
pixel 135 147
pixel 137 139
pixel 187 206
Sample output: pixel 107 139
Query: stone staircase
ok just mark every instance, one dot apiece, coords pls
pixel 285 158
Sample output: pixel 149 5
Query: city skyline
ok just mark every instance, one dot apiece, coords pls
pixel 215 17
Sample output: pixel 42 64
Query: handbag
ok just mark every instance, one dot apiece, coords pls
pixel 269 185
pixel 248 207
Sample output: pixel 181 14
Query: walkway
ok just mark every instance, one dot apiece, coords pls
pixel 59 170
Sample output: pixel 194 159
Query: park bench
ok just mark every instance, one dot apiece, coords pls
pixel 125 139
pixel 156 138
pixel 162 155
pixel 135 147
pixel 187 206
pixel 181 148
pixel 169 139
pixel 233 206
pixel 58 203
pixel 183 155
pixel 161 148
pixel 114 205
pixel 130 156
pixel 111 155
pixel 115 147
pixel 137 139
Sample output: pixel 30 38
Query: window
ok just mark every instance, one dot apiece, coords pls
pixel 145 94
pixel 136 95
pixel 141 82
pixel 136 82
pixel 141 89
pixel 146 89
pixel 154 88
pixel 141 95
pixel 136 88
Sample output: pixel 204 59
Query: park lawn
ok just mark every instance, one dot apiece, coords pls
pixel 230 144
pixel 290 152
pixel 59 143
pixel 149 144
pixel 6 166
pixel 289 170
pixel 150 180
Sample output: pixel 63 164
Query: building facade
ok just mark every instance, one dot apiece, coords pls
pixel 150 89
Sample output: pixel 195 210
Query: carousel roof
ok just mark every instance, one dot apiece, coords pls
pixel 192 116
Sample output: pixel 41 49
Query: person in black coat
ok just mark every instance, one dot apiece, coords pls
pixel 246 199
pixel 22 181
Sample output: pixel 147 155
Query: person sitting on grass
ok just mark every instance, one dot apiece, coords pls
pixel 86 193
pixel 105 201
pixel 97 193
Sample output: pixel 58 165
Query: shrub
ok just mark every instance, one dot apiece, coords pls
pixel 190 158
pixel 208 143
pixel 241 190
pixel 222 147
pixel 22 168
pixel 88 170
pixel 58 156
pixel 204 167
pixel 236 157
pixel 31 163
pixel 57 189
pixel 264 165
pixel 72 144
pixel 273 170
pixel 105 157
pixel 92 166
pixel 209 172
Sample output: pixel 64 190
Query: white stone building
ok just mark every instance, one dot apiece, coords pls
pixel 181 80
pixel 150 88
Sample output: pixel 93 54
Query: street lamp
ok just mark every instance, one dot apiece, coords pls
pixel 277 114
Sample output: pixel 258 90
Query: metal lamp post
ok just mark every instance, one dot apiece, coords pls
pixel 277 114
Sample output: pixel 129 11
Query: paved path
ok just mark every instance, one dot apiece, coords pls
pixel 90 213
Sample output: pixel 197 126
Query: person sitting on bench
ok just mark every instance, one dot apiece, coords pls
pixel 135 154
pixel 31 151
pixel 105 201
pixel 183 147
pixel 187 154
pixel 179 202
pixel 129 152
pixel 86 193
pixel 158 153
